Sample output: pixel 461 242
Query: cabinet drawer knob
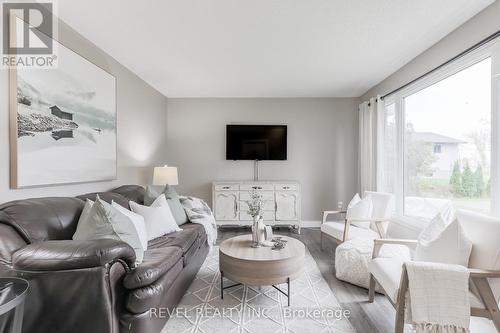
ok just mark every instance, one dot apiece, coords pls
pixel 257 187
pixel 286 187
pixel 225 187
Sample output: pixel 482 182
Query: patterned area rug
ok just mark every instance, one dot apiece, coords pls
pixel 314 307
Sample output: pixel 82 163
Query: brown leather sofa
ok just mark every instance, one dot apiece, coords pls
pixel 89 286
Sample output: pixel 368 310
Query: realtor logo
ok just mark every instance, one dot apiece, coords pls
pixel 28 30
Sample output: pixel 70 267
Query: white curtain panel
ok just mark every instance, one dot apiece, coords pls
pixel 369 143
pixel 379 145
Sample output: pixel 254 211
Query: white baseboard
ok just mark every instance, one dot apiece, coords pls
pixel 310 224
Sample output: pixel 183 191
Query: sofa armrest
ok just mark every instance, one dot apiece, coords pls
pixel 157 262
pixel 331 212
pixel 380 220
pixel 379 242
pixel 72 254
pixel 483 273
pixel 347 224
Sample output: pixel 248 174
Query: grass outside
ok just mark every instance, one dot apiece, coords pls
pixel 440 188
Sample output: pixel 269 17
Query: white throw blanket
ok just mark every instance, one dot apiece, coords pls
pixel 199 212
pixel 438 298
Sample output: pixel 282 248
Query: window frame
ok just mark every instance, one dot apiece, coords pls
pixel 488 50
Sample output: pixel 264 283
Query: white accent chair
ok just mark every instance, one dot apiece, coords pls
pixel 484 267
pixel 342 230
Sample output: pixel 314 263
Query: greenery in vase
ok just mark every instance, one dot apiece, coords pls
pixel 255 204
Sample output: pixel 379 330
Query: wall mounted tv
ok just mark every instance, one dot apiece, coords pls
pixel 256 142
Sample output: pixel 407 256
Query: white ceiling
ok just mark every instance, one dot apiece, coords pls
pixel 265 48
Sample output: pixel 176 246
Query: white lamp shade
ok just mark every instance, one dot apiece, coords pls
pixel 165 175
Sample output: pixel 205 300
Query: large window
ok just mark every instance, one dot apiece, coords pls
pixel 438 150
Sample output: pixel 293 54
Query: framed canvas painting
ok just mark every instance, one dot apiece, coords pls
pixel 62 123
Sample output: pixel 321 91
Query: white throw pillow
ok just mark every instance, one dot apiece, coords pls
pixel 158 217
pixel 448 212
pixel 360 209
pixel 137 220
pixel 443 242
pixel 81 226
pixel 355 199
pixel 103 221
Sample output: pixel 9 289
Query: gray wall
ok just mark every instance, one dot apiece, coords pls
pixel 476 29
pixel 322 145
pixel 141 126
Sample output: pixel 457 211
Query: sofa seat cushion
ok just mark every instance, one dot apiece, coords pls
pixel 191 253
pixel 387 271
pixel 142 299
pixel 189 240
pixel 203 239
pixel 183 239
pixel 156 263
pixel 195 227
pixel 335 229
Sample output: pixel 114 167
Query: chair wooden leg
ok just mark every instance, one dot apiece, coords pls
pixel 321 241
pixel 399 326
pixel 371 290
pixel 345 236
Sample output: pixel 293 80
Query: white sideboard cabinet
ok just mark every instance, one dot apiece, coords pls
pixel 281 202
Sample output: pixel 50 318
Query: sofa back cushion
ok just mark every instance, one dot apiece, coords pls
pixel 108 197
pixel 42 219
pixel 484 232
pixel 56 218
pixel 383 207
pixel 383 204
pixel 131 192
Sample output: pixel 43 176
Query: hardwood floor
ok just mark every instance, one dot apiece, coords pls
pixel 377 317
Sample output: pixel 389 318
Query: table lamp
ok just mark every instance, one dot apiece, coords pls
pixel 165 175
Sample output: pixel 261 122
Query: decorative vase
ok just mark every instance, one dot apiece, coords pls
pixel 258 229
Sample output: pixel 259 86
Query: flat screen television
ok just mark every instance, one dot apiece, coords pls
pixel 256 142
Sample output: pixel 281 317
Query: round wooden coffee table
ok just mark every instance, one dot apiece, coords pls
pixel 261 266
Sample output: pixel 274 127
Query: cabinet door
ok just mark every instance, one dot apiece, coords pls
pixel 287 206
pixel 226 205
